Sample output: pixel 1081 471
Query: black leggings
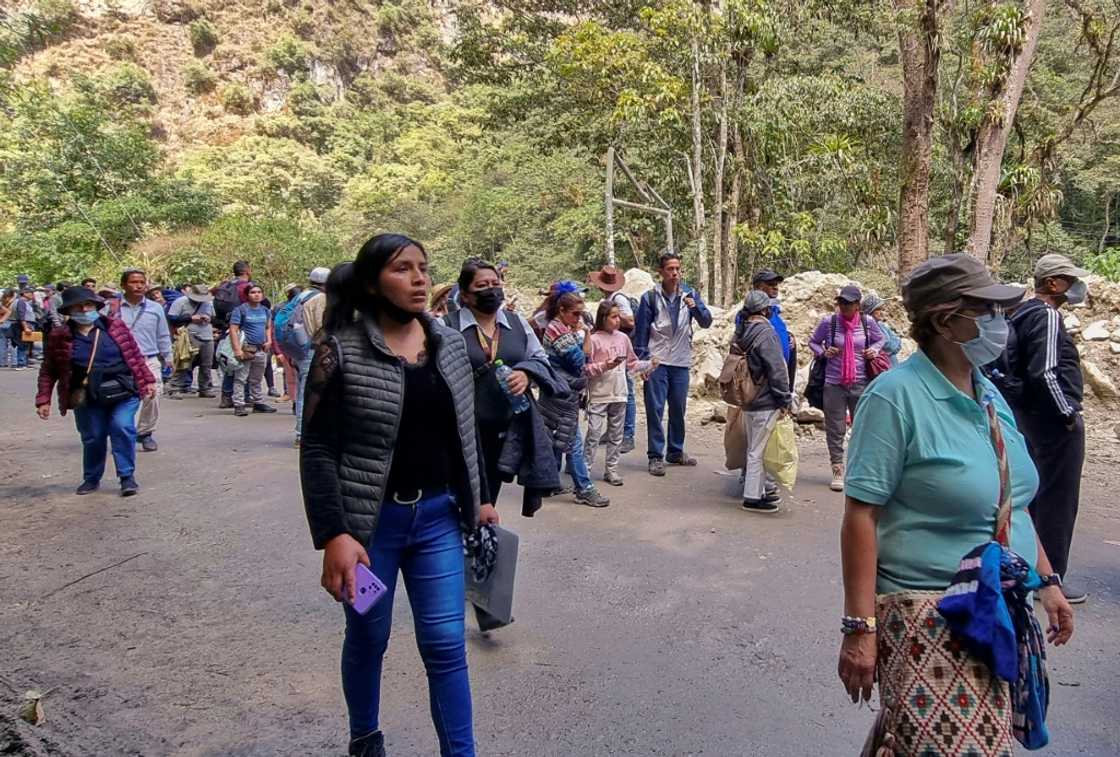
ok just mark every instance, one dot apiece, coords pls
pixel 492 438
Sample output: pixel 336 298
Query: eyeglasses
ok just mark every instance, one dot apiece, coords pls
pixel 992 311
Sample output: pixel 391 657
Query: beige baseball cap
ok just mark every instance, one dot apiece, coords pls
pixel 1049 266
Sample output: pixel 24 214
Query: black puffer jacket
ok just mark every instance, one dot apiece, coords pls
pixel 759 342
pixel 355 393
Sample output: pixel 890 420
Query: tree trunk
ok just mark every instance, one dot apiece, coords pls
pixel 697 174
pixel 731 247
pixel 921 52
pixel 1107 222
pixel 992 138
pixel 960 169
pixel 717 225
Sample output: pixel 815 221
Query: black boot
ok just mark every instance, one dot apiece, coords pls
pixel 370 745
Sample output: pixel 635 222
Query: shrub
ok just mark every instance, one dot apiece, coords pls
pixel 126 84
pixel 290 55
pixel 121 48
pixel 204 37
pixel 198 78
pixel 34 28
pixel 236 98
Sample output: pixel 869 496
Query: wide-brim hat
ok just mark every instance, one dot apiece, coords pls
pixel 951 277
pixel 440 292
pixel 199 293
pixel 608 278
pixel 72 296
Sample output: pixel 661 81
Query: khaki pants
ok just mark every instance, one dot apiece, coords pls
pixel 250 372
pixel 605 420
pixel 149 407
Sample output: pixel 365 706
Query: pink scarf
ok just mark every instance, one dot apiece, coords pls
pixel 848 358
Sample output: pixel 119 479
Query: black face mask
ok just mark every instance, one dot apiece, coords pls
pixel 489 300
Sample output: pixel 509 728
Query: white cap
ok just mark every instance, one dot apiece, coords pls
pixel 319 275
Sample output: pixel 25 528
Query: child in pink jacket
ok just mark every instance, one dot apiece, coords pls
pixel 610 358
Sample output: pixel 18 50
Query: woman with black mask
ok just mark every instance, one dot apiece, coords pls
pixel 493 333
pixel 390 471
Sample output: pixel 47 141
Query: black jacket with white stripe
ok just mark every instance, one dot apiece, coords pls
pixel 1046 363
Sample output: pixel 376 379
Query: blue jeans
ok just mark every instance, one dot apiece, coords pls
pixel 303 367
pixel 576 463
pixel 6 348
pixel 23 349
pixel 423 542
pixel 630 425
pixel 668 383
pixel 98 425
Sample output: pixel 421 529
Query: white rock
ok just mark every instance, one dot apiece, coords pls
pixel 808 414
pixel 1114 348
pixel 1097 331
pixel 638 282
pixel 1072 322
pixel 1100 382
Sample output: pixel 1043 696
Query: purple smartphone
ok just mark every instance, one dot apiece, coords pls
pixel 368 591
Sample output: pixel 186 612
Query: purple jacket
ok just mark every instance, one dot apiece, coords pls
pixel 819 341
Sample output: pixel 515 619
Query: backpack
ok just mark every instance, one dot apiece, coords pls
pixel 634 305
pixel 289 331
pixel 226 300
pixel 736 384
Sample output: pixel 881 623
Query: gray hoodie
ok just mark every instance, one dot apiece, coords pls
pixel 766 363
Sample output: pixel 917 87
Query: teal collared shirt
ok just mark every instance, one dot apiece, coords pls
pixel 922 451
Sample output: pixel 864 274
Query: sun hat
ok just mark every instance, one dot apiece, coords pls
pixel 72 296
pixel 608 278
pixel 199 293
pixel 870 303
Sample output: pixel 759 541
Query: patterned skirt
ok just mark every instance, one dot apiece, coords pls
pixel 937 699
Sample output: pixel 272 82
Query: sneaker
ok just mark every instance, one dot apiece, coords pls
pixel 129 486
pixel 147 443
pixel 370 745
pixel 837 484
pixel 226 402
pixel 87 487
pixel 627 446
pixel 657 467
pixel 273 392
pixel 684 460
pixel 591 497
pixel 209 395
pixel 613 479
pixel 772 497
pixel 241 411
pixel 284 398
pixel 764 506
pixel 173 395
pixel 1075 595
pixel 296 443
pixel 260 407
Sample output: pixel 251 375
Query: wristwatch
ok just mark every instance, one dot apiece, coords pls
pixel 1051 580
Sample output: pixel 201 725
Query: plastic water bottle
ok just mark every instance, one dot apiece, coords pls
pixel 519 403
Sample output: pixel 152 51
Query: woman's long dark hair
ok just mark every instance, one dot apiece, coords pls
pixel 471 266
pixel 558 301
pixel 346 287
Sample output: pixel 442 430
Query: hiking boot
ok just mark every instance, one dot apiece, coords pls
pixel 764 506
pixel 296 443
pixel 209 395
pixel 87 487
pixel 273 392
pixel 657 467
pixel 260 407
pixel 563 491
pixel 684 460
pixel 147 443
pixel 370 745
pixel 129 486
pixel 241 411
pixel 613 479
pixel 591 497
pixel 1075 595
pixel 226 402
pixel 627 446
pixel 837 484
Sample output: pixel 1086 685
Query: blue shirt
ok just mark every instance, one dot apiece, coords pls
pixel 253 322
pixel 148 324
pixel 108 353
pixel 893 345
pixel 922 451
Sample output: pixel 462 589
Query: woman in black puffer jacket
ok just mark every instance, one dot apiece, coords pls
pixel 390 470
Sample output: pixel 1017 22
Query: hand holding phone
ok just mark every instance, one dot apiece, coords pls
pixel 368 590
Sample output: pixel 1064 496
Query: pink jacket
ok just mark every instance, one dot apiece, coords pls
pixel 609 385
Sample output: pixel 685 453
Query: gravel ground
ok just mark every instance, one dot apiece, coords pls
pixel 188 620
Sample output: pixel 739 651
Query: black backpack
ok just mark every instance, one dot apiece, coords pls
pixel 226 300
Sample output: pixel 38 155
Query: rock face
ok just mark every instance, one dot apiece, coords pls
pixel 1102 385
pixel 1097 331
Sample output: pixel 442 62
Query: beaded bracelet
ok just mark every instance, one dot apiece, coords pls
pixel 850 625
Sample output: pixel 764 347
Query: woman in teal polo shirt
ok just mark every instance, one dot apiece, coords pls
pixel 923 488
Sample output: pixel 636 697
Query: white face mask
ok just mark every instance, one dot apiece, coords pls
pixel 991 340
pixel 1077 292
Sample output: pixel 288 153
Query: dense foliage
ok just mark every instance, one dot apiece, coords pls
pixel 771 127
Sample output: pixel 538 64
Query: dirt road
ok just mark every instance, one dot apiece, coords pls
pixel 670 623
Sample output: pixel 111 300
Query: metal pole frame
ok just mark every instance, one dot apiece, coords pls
pixel 655 204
